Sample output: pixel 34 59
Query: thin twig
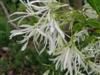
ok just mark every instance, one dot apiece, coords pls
pixel 7 14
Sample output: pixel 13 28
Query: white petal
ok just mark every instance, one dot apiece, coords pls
pixel 60 31
pixel 46 72
pixel 24 46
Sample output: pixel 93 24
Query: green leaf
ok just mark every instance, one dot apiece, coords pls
pixel 93 23
pixel 95 5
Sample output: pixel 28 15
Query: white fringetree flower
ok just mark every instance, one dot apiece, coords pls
pixel 47 31
pixel 46 27
pixel 92 51
pixel 89 11
pixel 74 60
pixel 70 57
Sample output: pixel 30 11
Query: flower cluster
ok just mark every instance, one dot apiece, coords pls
pixel 47 30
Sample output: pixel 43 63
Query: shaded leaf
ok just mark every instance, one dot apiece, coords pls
pixel 95 4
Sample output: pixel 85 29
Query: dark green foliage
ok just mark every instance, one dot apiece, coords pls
pixel 4 30
pixel 11 5
pixel 95 4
